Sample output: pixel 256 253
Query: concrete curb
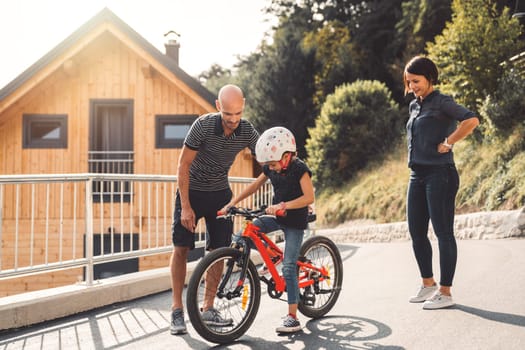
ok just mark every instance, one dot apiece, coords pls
pixel 34 307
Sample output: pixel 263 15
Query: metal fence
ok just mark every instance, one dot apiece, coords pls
pixel 59 222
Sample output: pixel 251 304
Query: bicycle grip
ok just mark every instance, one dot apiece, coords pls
pixel 280 212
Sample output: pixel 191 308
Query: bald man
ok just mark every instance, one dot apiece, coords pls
pixel 209 149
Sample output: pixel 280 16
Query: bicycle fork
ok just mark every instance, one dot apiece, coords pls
pixel 240 263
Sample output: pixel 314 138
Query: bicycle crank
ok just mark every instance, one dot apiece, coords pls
pixel 308 298
pixel 271 288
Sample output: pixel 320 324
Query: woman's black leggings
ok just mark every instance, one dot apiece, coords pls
pixel 431 196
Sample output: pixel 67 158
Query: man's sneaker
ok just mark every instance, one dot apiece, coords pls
pixel 438 301
pixel 212 317
pixel 423 293
pixel 177 325
pixel 263 270
pixel 290 325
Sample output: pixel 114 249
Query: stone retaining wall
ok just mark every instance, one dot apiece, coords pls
pixel 482 225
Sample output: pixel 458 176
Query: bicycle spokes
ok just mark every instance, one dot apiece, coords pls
pixel 236 299
pixel 320 290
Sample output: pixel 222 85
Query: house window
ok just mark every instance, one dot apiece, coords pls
pixel 170 130
pixel 44 131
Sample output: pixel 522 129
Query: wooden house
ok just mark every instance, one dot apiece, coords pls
pixel 103 92
pixel 104 100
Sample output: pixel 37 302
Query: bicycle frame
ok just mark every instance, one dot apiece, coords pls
pixel 263 244
pixel 238 294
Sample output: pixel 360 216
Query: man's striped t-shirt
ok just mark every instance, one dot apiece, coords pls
pixel 216 152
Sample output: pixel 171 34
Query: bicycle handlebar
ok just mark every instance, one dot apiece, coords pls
pixel 248 213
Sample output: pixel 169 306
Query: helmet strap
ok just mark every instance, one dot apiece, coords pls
pixel 285 161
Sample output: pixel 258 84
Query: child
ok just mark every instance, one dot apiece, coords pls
pixel 293 192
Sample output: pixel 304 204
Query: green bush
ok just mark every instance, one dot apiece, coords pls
pixel 357 123
pixel 504 109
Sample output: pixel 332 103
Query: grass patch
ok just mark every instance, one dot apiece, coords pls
pixel 492 178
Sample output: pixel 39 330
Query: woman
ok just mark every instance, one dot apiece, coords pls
pixel 432 131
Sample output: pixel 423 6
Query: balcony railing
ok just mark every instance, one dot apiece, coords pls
pixel 111 162
pixel 51 223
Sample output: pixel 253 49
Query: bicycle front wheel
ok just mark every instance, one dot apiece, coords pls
pixel 236 303
pixel 318 299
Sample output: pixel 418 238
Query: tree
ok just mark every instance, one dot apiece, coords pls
pixel 357 122
pixel 215 77
pixel 334 55
pixel 279 81
pixel 373 31
pixel 321 10
pixel 318 45
pixel 420 22
pixel 470 51
pixel 505 107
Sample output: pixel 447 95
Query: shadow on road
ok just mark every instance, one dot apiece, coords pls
pixel 347 251
pixel 332 332
pixel 123 324
pixel 516 320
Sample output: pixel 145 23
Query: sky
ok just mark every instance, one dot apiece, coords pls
pixel 211 31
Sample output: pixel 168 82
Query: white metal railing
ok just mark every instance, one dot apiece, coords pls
pixel 50 222
pixel 111 162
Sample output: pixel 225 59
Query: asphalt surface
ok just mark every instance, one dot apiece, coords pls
pixel 371 313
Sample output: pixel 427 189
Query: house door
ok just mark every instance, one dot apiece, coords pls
pixel 111 145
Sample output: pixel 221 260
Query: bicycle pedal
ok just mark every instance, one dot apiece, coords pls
pixel 308 298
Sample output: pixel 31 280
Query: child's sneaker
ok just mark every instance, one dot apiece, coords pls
pixel 438 301
pixel 423 293
pixel 290 325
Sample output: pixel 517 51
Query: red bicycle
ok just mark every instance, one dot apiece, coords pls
pixel 237 293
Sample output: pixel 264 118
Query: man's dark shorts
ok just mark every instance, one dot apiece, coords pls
pixel 204 204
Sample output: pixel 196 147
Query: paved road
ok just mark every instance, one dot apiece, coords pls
pixel 372 312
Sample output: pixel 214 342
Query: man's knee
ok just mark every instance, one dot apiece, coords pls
pixel 180 253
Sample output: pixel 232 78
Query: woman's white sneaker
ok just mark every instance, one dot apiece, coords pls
pixel 423 293
pixel 438 301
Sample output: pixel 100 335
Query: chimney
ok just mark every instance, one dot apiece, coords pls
pixel 172 47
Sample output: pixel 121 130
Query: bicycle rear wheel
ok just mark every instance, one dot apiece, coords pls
pixel 238 304
pixel 318 299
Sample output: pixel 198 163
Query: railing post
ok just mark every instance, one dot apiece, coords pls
pixel 89 231
pixel 1 217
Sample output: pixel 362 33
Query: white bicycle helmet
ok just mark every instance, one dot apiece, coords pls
pixel 273 143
